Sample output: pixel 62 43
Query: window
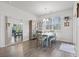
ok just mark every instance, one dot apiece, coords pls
pixel 52 23
pixel 56 23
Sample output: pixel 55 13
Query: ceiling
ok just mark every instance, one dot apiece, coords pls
pixel 41 7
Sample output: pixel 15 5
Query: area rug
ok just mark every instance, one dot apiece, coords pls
pixel 67 48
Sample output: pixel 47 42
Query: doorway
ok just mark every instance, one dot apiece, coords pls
pixel 30 29
pixel 14 31
pixel 77 9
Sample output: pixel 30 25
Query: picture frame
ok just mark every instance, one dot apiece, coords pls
pixel 66 24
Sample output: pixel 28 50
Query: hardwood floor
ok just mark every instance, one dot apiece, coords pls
pixel 30 49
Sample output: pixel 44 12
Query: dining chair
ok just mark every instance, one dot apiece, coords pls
pixel 40 39
pixel 38 36
pixel 44 40
pixel 52 39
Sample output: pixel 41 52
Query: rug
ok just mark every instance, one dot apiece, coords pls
pixel 67 48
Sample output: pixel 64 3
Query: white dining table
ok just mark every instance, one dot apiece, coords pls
pixel 48 33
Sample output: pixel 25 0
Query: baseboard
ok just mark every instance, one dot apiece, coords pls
pixel 66 42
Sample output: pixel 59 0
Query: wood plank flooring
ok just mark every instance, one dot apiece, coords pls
pixel 30 49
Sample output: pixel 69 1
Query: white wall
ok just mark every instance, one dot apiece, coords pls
pixel 10 11
pixel 75 25
pixel 65 34
pixel 2 32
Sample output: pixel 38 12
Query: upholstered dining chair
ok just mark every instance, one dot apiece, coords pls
pixel 40 38
pixel 52 39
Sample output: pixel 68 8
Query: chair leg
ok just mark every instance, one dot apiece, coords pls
pixel 37 43
pixel 41 44
pixel 50 43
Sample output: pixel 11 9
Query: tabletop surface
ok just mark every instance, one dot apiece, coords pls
pixel 48 33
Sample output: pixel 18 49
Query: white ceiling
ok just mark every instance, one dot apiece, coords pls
pixel 41 7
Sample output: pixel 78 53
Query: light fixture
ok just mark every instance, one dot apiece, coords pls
pixel 21 23
pixel 66 18
pixel 45 20
pixel 45 8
